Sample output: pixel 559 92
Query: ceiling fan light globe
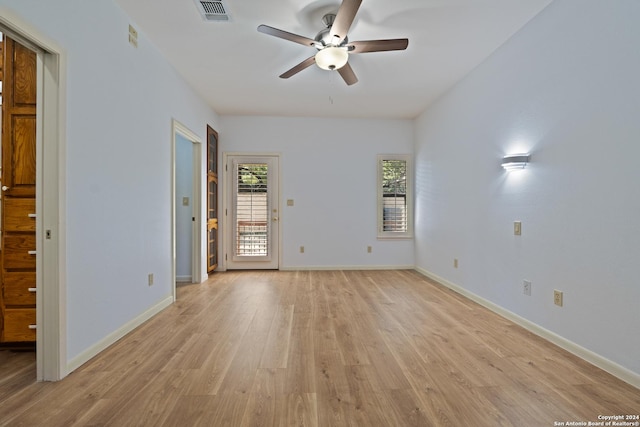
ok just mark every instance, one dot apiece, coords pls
pixel 332 58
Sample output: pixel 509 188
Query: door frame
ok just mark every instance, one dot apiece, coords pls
pixel 198 238
pixel 51 298
pixel 227 239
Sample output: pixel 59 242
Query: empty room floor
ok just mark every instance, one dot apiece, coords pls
pixel 319 348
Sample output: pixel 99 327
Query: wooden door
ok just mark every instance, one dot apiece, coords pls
pixel 212 199
pixel 18 180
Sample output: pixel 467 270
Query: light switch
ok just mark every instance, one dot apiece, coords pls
pixel 289 202
pixel 517 228
pixel 133 36
pixel 185 201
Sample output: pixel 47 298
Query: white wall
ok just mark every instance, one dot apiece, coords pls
pixel 120 102
pixel 566 89
pixel 328 168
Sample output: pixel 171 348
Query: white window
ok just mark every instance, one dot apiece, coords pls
pixel 395 213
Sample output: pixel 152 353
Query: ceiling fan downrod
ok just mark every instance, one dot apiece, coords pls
pixel 324 36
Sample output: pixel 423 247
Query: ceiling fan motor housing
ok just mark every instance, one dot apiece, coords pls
pixel 330 56
pixel 324 35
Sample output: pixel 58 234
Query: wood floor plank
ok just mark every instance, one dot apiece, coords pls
pixel 304 301
pixel 14 372
pixel 403 408
pixel 330 379
pixel 435 402
pixel 318 348
pixel 365 406
pixel 276 351
pixel 226 409
pixel 188 410
pixel 261 407
pixel 208 379
pixel 243 367
pixel 299 410
pixel 299 376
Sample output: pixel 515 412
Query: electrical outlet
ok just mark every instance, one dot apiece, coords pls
pixel 526 287
pixel 301 249
pixel 150 279
pixel 455 263
pixel 369 249
pixel 557 297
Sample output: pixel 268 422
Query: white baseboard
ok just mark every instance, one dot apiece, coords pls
pixel 183 279
pixel 110 339
pixel 601 362
pixel 346 267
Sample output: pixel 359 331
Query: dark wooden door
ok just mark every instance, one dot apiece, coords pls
pixel 18 180
pixel 212 199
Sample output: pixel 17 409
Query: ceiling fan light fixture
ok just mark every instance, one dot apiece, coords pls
pixel 332 58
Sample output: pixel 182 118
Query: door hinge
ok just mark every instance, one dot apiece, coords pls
pixel 225 257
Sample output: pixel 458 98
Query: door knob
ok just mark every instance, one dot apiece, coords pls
pixel 275 218
pixel 5 188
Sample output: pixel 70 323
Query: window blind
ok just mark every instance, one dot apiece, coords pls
pixel 251 210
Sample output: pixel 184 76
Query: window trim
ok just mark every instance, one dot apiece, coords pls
pixel 408 234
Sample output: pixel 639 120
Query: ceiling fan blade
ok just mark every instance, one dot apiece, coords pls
pixel 347 74
pixel 344 19
pixel 286 35
pixel 301 66
pixel 377 45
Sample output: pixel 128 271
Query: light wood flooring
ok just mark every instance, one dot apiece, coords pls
pixel 322 348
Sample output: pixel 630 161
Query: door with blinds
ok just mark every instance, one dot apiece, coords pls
pixel 252 212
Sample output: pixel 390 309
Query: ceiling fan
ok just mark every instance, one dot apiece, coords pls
pixel 333 46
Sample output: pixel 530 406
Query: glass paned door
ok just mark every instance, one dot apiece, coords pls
pixel 254 216
pixel 212 199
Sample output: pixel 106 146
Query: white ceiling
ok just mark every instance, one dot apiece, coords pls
pixel 235 68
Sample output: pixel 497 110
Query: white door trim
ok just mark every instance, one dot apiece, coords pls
pixel 198 259
pixel 51 298
pixel 227 238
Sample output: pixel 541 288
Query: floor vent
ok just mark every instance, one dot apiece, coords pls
pixel 215 11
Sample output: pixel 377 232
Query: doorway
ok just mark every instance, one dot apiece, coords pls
pixel 185 215
pixel 252 214
pixel 49 239
pixel 186 207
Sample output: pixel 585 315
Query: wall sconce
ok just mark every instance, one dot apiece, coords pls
pixel 515 161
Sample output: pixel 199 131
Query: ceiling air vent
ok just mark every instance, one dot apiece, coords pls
pixel 213 10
